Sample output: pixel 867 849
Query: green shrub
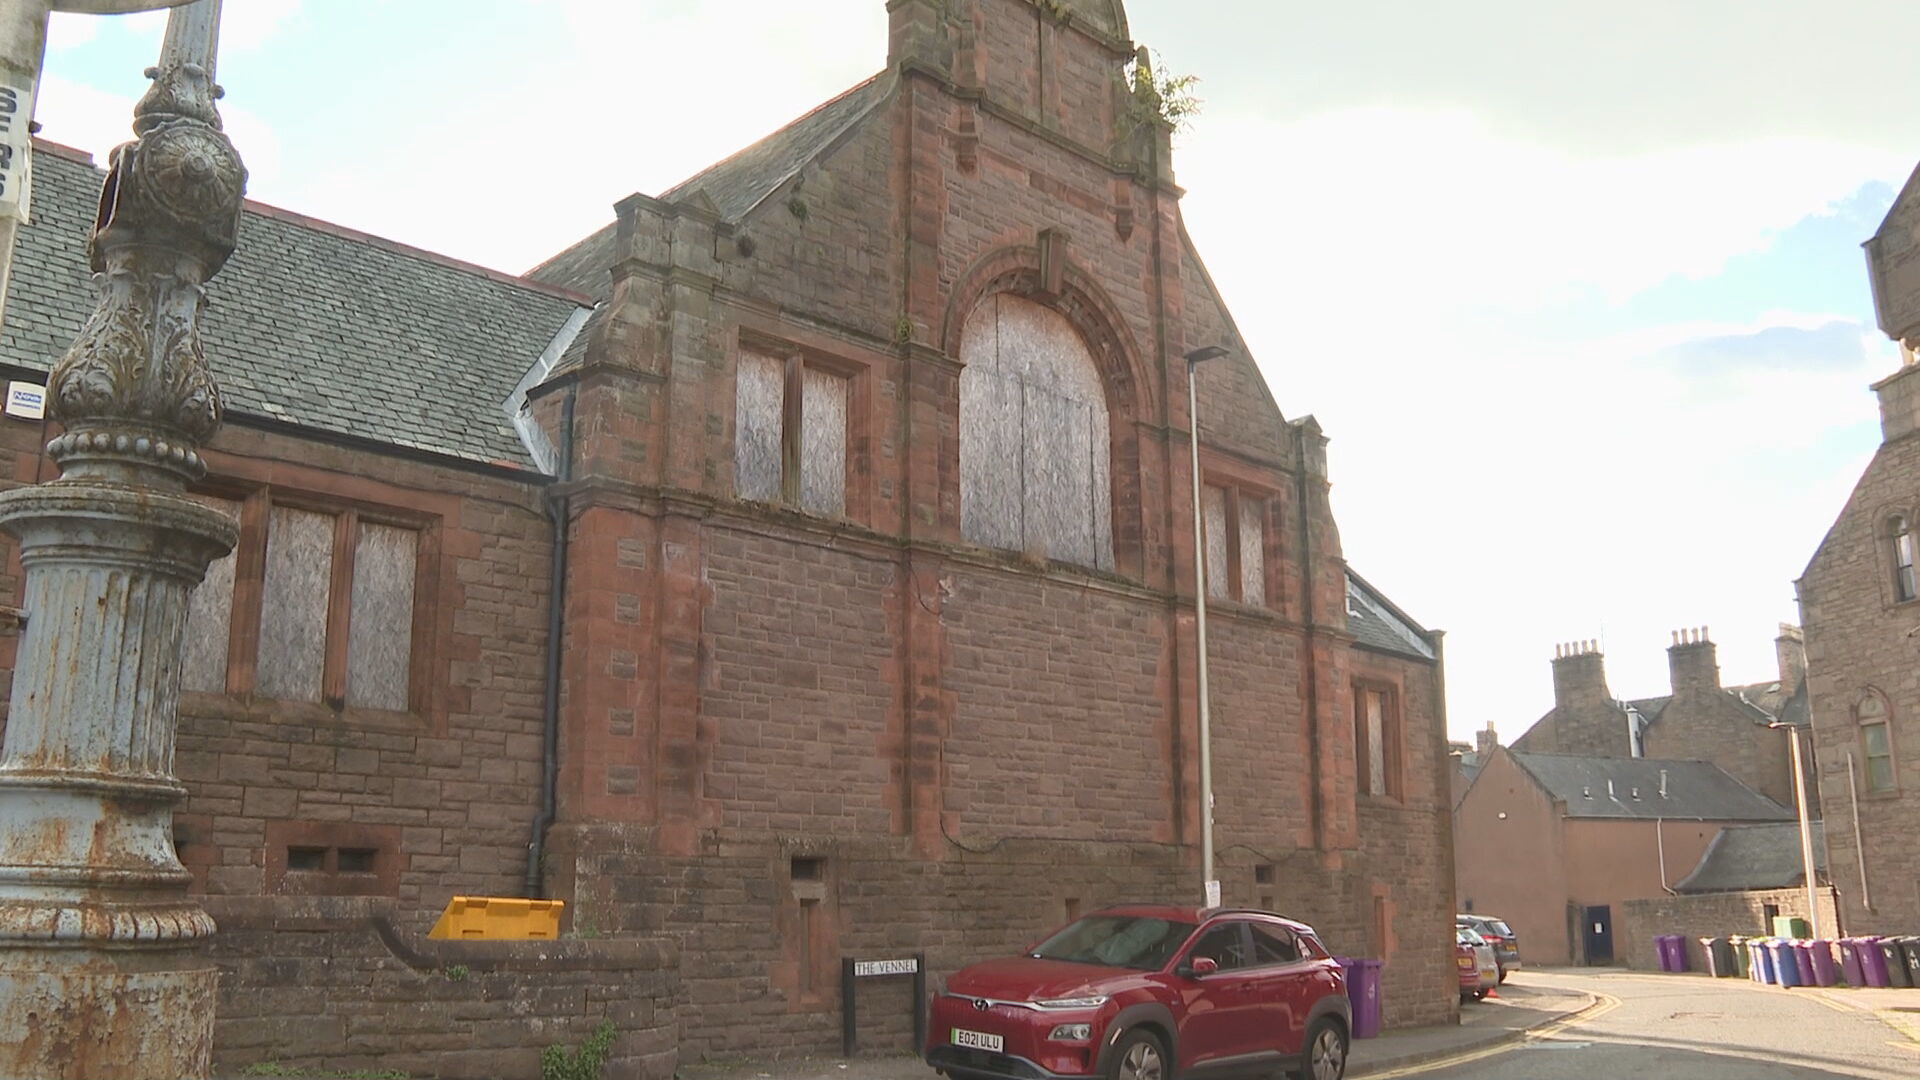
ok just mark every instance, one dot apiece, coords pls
pixel 560 1063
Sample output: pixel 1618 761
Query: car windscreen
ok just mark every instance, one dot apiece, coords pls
pixel 1501 928
pixel 1128 941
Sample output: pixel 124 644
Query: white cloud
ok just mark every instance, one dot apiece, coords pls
pixel 244 25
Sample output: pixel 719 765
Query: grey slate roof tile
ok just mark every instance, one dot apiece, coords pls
pixel 311 325
pixel 1756 857
pixel 1376 623
pixel 1696 790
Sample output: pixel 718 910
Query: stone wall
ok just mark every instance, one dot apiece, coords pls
pixel 1860 644
pixel 333 984
pixel 1709 915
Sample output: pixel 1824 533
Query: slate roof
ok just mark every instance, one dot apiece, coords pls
pixel 1756 857
pixel 739 183
pixel 734 186
pixel 1376 624
pixel 313 325
pixel 1696 790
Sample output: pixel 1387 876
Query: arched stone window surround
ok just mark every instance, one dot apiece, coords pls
pixel 1124 375
pixel 1879 757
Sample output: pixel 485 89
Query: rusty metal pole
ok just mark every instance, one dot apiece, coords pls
pixel 100 972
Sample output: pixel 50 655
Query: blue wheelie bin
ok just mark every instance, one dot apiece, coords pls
pixel 1786 969
pixel 1762 960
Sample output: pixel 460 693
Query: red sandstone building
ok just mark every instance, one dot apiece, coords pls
pixel 873 600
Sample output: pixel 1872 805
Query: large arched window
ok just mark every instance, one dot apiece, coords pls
pixel 1035 460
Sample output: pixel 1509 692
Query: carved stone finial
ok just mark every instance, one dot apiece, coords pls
pixel 134 391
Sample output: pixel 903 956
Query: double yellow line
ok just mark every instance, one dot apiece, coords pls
pixel 1601 1006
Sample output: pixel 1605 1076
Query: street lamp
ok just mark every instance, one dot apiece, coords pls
pixel 1210 888
pixel 1806 828
pixel 23 48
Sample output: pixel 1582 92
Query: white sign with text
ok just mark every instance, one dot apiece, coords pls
pixel 16 145
pixel 864 968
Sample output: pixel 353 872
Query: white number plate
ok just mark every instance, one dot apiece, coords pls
pixel 979 1040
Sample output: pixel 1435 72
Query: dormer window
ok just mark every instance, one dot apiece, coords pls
pixel 1900 534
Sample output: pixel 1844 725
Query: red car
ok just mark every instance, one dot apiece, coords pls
pixel 1149 992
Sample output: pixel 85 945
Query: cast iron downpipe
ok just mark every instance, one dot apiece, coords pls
pixel 560 510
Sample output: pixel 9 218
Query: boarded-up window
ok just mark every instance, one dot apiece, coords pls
pixel 1376 736
pixel 380 626
pixel 203 661
pixel 1213 512
pixel 323 622
pixel 823 442
pixel 758 403
pixel 790 444
pixel 1035 453
pixel 1235 526
pixel 293 604
pixel 1253 550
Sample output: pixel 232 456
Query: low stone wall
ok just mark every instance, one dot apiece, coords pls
pixel 331 983
pixel 1708 915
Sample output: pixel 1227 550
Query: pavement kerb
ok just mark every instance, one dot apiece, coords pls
pixel 1495 1040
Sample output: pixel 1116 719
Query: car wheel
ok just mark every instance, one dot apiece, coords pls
pixel 1324 1057
pixel 1139 1057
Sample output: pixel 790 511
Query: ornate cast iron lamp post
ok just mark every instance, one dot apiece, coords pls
pixel 99 975
pixel 23 47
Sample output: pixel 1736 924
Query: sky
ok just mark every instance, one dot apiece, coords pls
pixel 1575 288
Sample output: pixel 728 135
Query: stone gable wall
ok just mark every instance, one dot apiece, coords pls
pixel 1857 641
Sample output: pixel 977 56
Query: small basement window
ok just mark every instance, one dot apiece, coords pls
pixel 307 859
pixel 807 868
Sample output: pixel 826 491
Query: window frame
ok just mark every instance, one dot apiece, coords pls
pixel 796 361
pixel 246 611
pixel 1882 718
pixel 1897 534
pixel 1236 494
pixel 1393 786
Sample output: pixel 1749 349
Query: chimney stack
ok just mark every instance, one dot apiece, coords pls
pixel 1579 675
pixel 1485 741
pixel 1693 661
pixel 1790 648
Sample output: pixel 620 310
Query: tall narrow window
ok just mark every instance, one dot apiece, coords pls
pixel 1035 452
pixel 294 603
pixel 1876 743
pixel 790 434
pixel 1901 533
pixel 203 663
pixel 1376 739
pixel 1213 514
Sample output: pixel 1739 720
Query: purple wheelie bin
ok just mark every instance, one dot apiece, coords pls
pixel 1663 949
pixel 1824 972
pixel 1803 962
pixel 1677 952
pixel 1850 962
pixel 1786 970
pixel 1873 966
pixel 1363 990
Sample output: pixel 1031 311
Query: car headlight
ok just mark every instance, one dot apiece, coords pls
pixel 1071 1033
pixel 1073 1003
